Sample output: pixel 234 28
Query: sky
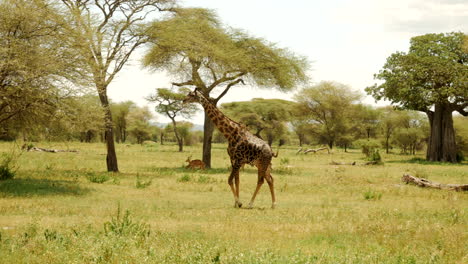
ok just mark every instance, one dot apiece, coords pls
pixel 345 41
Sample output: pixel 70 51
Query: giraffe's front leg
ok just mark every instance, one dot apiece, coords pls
pixel 235 190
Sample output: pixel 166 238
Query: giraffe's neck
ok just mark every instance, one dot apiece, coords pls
pixel 229 128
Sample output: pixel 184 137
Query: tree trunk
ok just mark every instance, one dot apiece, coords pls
pixel 208 128
pixel 441 145
pixel 162 138
pixel 177 136
pixel 111 158
pixel 330 144
pixel 387 144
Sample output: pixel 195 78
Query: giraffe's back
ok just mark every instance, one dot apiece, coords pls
pixel 250 149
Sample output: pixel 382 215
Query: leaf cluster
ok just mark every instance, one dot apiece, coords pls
pixel 433 71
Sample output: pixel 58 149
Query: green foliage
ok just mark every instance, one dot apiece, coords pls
pixel 375 156
pixel 8 165
pixel 184 178
pixel 194 39
pixel 372 195
pixel 433 71
pixel 124 225
pixel 368 146
pixel 97 177
pixel 460 124
pixel 205 179
pixel 323 107
pixel 36 61
pixel 140 184
pixel 139 126
pixel 120 112
pixel 6 173
pixel 265 118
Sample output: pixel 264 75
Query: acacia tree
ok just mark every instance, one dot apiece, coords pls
pixel 120 113
pixel 106 34
pixel 37 64
pixel 266 117
pixel 391 120
pixel 194 46
pixel 139 125
pixel 170 104
pixel 328 105
pixel 431 77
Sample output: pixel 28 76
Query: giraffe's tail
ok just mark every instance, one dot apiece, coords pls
pixel 281 143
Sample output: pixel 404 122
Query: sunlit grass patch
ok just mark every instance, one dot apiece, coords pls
pixel 324 213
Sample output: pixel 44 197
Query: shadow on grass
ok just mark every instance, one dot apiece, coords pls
pixel 422 161
pixel 39 187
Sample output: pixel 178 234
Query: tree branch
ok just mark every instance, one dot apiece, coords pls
pixel 227 89
pixel 461 109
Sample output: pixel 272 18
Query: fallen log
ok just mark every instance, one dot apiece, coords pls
pixel 299 150
pixel 315 150
pixel 421 182
pixel 50 150
pixel 342 163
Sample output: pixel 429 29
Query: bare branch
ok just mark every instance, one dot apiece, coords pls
pixel 227 89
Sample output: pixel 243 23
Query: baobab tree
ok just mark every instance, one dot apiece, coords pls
pixel 432 78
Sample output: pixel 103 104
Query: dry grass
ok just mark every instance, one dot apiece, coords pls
pixel 52 212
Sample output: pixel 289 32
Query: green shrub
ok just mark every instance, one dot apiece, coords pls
pixel 368 146
pixel 205 179
pixel 372 195
pixel 140 184
pixel 97 178
pixel 125 226
pixel 184 178
pixel 375 156
pixel 7 170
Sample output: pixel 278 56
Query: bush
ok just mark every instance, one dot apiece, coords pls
pixel 7 170
pixel 184 178
pixel 6 173
pixel 375 156
pixel 97 178
pixel 140 184
pixel 125 226
pixel 368 146
pixel 372 195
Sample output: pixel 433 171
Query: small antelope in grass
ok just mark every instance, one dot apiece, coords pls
pixel 193 164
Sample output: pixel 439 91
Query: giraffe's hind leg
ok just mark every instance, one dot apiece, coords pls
pixel 235 189
pixel 260 181
pixel 269 179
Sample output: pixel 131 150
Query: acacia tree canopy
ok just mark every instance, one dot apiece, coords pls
pixel 327 105
pixel 194 46
pixel 37 63
pixel 266 118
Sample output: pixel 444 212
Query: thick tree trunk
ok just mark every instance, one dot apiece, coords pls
pixel 441 145
pixel 111 158
pixel 208 128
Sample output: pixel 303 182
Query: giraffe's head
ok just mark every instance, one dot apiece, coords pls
pixel 192 97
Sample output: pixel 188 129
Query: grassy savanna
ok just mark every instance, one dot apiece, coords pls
pixel 156 211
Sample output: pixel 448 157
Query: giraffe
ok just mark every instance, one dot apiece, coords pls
pixel 243 148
